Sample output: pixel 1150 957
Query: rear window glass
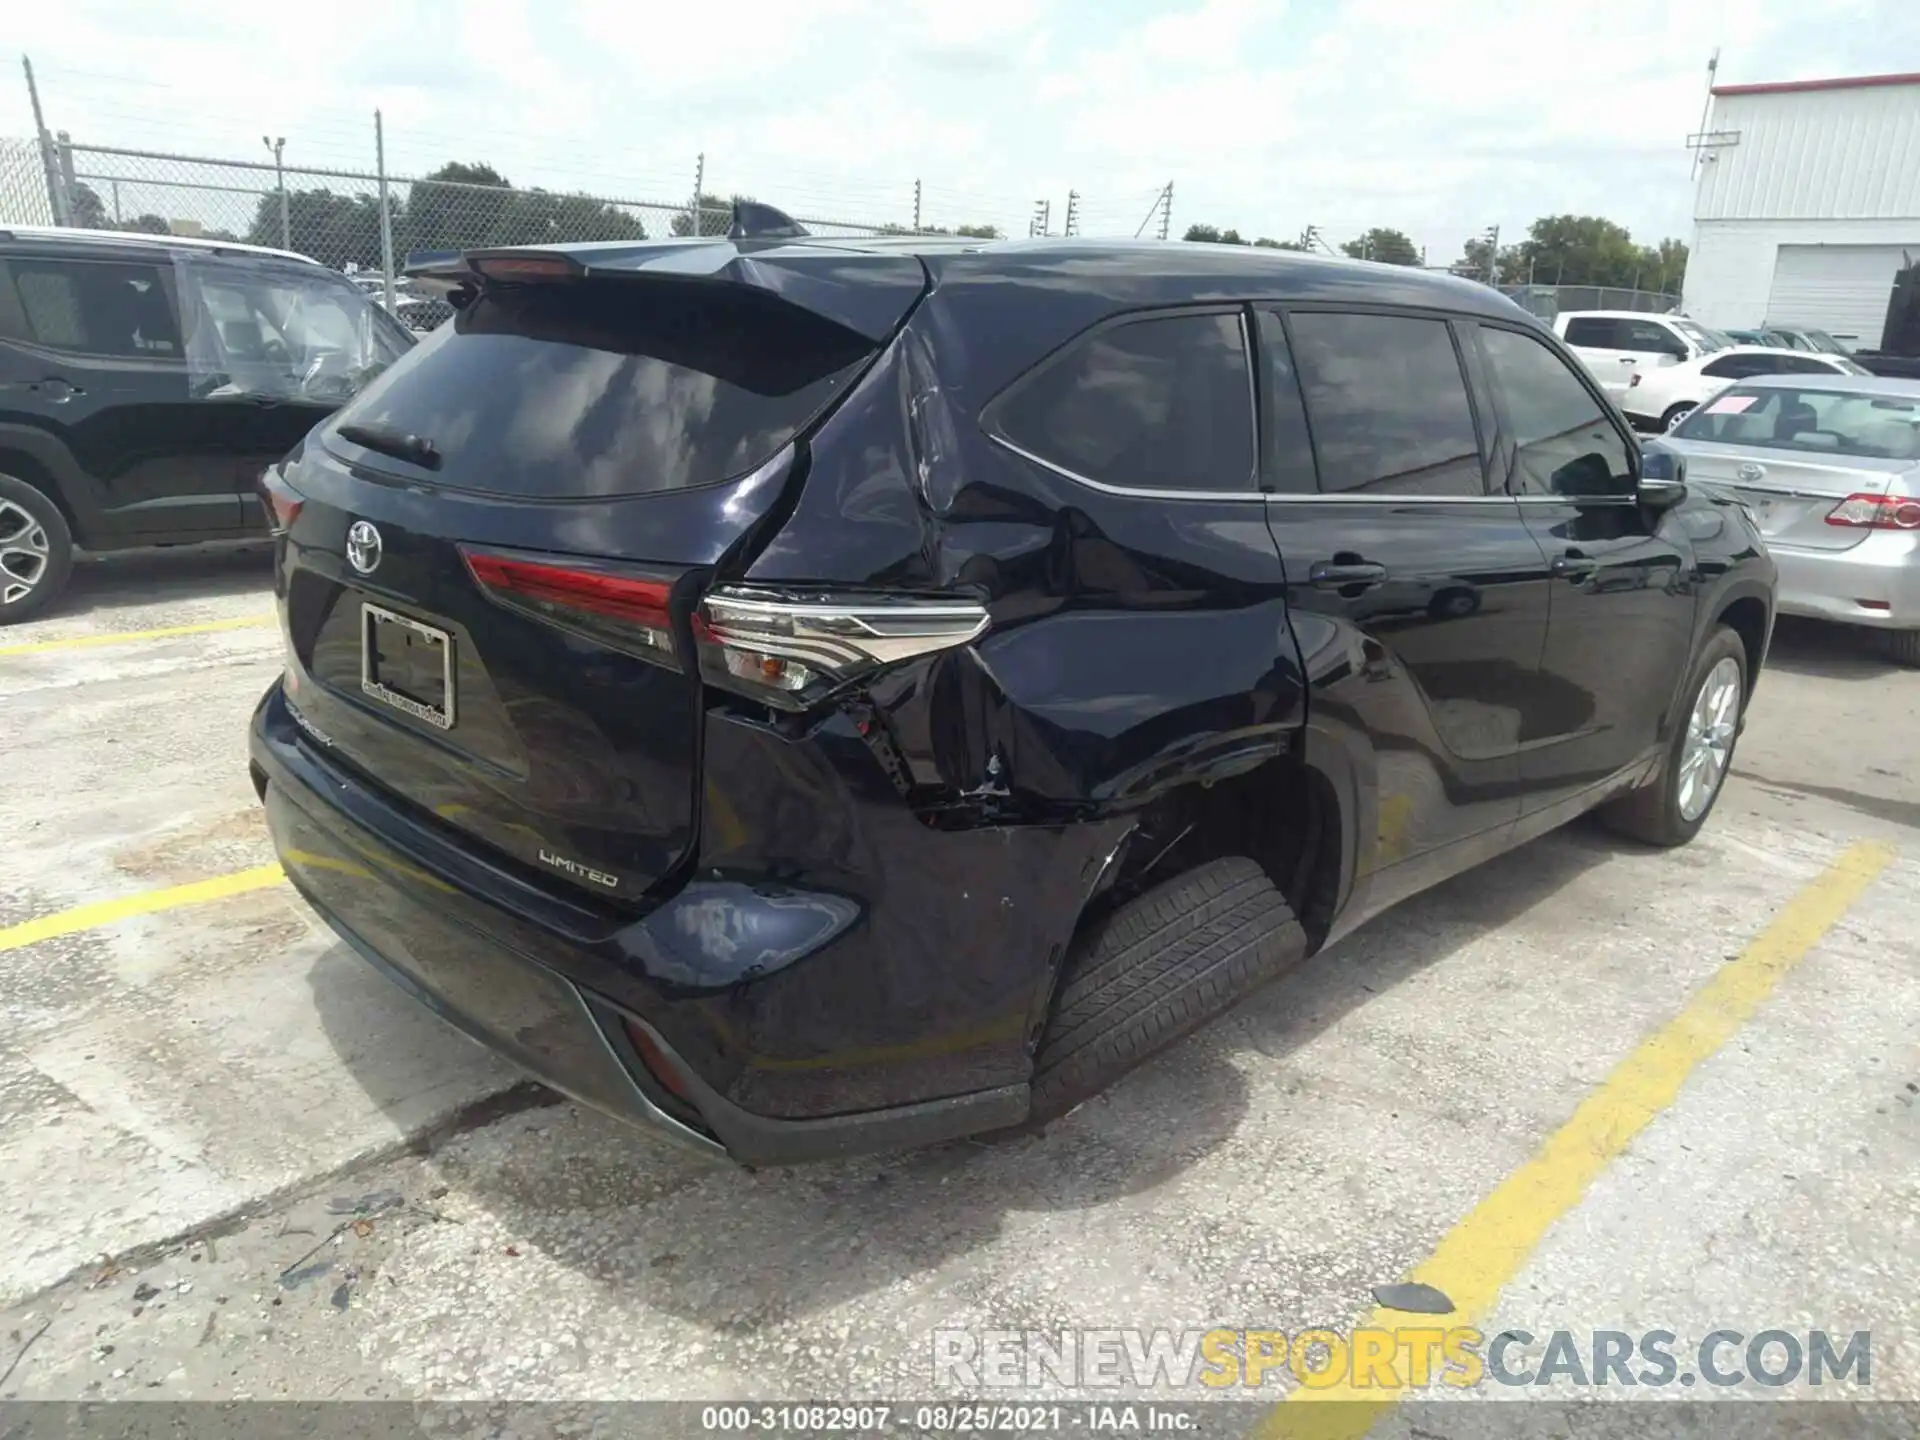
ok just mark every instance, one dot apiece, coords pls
pixel 1820 422
pixel 616 388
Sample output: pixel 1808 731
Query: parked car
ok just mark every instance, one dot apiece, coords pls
pixel 1660 399
pixel 1829 466
pixel 1802 337
pixel 1615 343
pixel 145 382
pixel 1757 337
pixel 812 696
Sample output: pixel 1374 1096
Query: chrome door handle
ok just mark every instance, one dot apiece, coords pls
pixel 1326 575
pixel 1574 566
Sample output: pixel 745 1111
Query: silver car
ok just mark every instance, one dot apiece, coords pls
pixel 1829 467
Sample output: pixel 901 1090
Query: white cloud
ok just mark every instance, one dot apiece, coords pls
pixel 1437 119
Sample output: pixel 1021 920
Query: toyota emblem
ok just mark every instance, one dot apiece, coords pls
pixel 363 546
pixel 1747 471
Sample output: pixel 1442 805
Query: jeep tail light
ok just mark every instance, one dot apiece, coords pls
pixel 787 650
pixel 618 608
pixel 1877 512
pixel 279 500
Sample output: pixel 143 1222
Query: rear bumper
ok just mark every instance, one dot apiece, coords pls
pixel 1883 570
pixel 515 968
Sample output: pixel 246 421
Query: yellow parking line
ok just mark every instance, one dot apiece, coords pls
pixel 121 637
pixel 1483 1253
pixel 147 902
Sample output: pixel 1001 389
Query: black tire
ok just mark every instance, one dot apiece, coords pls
pixel 45 524
pixel 1156 969
pixel 1652 813
pixel 1675 414
pixel 1904 646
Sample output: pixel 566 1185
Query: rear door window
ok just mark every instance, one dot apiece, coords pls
pixel 1160 403
pixel 582 390
pixel 1388 403
pixel 95 307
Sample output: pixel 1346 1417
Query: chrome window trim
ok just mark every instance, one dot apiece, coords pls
pixel 1253 495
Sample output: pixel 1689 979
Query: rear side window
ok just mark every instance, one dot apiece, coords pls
pixel 1388 404
pixel 573 391
pixel 1163 403
pixel 95 307
pixel 1735 367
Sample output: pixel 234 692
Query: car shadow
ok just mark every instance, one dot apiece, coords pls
pixel 127 580
pixel 1828 652
pixel 733 1251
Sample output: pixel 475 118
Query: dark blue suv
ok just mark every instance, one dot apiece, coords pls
pixel 812 696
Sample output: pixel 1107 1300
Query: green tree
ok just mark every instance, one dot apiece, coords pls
pixel 1390 247
pixel 89 212
pixel 716 216
pixel 333 229
pixel 978 232
pixel 1267 242
pixel 1210 235
pixel 148 224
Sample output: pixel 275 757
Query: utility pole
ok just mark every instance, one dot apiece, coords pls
pixel 699 184
pixel 57 201
pixel 1042 222
pixel 1166 212
pixel 1073 212
pixel 386 212
pixel 1706 109
pixel 1493 254
pixel 280 179
pixel 916 207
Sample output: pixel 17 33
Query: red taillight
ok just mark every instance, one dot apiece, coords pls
pixel 524 267
pixel 788 650
pixel 626 611
pixel 1877 512
pixel 279 500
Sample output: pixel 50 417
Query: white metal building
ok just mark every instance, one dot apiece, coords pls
pixel 1806 204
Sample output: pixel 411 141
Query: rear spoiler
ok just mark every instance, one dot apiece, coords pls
pixel 765 250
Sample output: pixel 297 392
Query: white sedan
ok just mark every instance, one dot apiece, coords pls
pixel 1660 398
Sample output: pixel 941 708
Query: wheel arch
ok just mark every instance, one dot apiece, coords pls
pixel 41 460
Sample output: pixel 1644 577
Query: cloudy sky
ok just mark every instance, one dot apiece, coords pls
pixel 1438 118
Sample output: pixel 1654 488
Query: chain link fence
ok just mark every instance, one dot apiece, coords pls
pixel 359 222
pixel 1547 301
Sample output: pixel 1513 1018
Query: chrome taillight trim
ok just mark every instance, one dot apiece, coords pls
pixel 836 634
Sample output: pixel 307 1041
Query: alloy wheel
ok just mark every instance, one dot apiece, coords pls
pixel 1708 749
pixel 24 552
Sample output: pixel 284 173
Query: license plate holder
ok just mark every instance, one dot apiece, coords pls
pixel 407 664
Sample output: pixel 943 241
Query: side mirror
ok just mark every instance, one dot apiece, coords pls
pixel 1663 480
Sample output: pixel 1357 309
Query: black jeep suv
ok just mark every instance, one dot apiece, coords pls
pixel 145 382
pixel 814 696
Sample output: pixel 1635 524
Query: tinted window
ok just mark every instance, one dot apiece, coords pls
pixel 1289 456
pixel 610 389
pixel 96 307
pixel 1158 404
pixel 1733 367
pixel 1879 427
pixel 1654 339
pixel 1388 404
pixel 1565 443
pixel 1595 332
